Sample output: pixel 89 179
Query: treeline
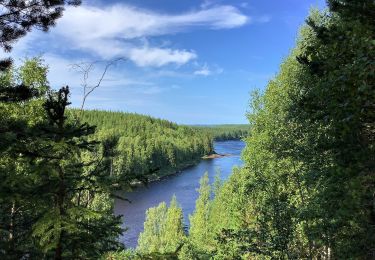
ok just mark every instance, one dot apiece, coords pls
pixel 147 145
pixel 225 132
pixel 306 190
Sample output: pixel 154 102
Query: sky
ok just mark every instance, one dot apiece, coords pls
pixel 187 61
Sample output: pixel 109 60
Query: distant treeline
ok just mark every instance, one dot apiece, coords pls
pixel 146 144
pixel 225 132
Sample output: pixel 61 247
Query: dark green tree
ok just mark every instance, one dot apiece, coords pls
pixel 337 112
pixel 70 225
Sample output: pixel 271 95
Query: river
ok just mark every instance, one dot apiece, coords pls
pixel 183 184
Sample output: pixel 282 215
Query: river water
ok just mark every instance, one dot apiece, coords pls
pixel 183 184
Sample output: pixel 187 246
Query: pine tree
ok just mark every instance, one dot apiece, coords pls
pixel 69 225
pixel 19 16
pixel 52 198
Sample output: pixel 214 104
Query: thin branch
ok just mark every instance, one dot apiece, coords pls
pixel 86 68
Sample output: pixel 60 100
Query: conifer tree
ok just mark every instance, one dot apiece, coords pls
pixel 18 17
pixel 69 227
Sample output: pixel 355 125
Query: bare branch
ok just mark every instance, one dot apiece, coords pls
pixel 86 68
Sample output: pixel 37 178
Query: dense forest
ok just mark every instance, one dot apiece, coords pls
pixel 306 189
pixel 147 145
pixel 225 132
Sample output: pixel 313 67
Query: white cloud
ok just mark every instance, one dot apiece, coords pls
pixel 118 30
pixel 122 30
pixel 205 70
pixel 127 22
pixel 158 57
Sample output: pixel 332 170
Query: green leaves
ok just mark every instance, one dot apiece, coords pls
pixel 163 230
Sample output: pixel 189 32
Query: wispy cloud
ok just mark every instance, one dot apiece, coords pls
pixel 128 22
pixel 205 70
pixel 158 57
pixel 122 30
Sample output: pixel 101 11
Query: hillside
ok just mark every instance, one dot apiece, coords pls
pixel 146 144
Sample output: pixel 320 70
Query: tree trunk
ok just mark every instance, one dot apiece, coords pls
pixel 60 205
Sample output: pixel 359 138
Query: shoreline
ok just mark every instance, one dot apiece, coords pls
pixel 167 172
pixel 216 155
pixel 170 171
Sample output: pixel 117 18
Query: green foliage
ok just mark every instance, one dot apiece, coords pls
pixel 19 203
pixel 163 230
pixel 304 189
pixel 199 231
pixel 147 145
pixel 225 132
pixel 53 203
pixel 33 73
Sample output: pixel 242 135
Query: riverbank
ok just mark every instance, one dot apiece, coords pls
pixel 167 171
pixel 215 155
pixel 182 182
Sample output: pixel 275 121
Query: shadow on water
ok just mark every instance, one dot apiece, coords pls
pixel 183 184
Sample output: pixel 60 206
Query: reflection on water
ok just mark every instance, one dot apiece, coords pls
pixel 183 184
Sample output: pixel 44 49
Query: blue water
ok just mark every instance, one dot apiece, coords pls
pixel 183 184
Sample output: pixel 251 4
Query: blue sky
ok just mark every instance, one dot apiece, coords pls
pixel 188 61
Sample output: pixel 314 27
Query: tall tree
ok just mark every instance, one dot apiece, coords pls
pixel 337 112
pixel 18 120
pixel 70 226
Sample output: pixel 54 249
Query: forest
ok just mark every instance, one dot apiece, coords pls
pixel 225 132
pixel 145 145
pixel 305 191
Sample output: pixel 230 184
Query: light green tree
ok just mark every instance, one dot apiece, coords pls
pixel 174 229
pixel 199 232
pixel 163 229
pixel 149 240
